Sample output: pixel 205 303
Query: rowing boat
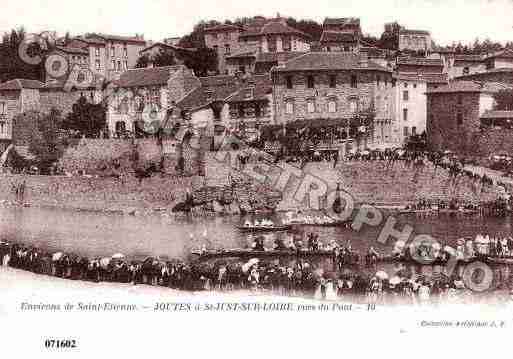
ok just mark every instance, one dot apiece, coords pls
pixel 284 227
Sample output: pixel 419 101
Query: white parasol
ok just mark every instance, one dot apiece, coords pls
pixel 395 280
pixel 104 262
pixel 381 275
pixel 118 256
pixel 57 256
pixel 249 264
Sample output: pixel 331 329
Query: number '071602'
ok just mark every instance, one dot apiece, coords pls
pixel 60 343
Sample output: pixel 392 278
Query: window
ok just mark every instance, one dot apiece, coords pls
pixel 126 64
pixel 333 81
pixel 289 82
pixel 119 65
pixel 227 49
pixel 354 81
pixel 214 36
pixel 328 49
pixel 2 125
pixel 113 64
pixel 97 51
pixel 405 96
pixel 353 105
pixel 125 51
pixel 414 86
pixel 406 131
pixel 413 131
pixel 216 48
pixel 227 36
pixel 289 107
pixel 310 82
pixel 405 85
pixel 332 105
pixel 405 114
pixel 459 118
pixel 310 106
pixel 258 111
pixel 378 79
pixel 2 108
pixel 241 111
pixel 112 51
pixel 98 65
pixel 460 99
pixel 466 70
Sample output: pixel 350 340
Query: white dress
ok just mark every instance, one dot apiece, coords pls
pixel 330 291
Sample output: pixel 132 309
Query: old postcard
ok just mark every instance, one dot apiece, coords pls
pixel 250 179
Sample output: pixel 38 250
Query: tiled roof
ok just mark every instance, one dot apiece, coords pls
pixel 167 46
pixel 90 41
pixel 213 88
pixel 487 72
pixel 242 54
pixel 413 32
pixel 428 78
pixel 342 21
pixel 222 27
pixel 329 61
pixel 476 58
pixel 338 36
pixel 272 27
pixel 261 85
pixel 18 84
pixel 470 86
pixel 109 37
pixel 146 76
pixel 276 57
pixel 497 114
pixel 419 61
pixel 72 50
pixel 500 54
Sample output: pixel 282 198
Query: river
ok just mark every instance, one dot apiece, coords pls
pixel 98 234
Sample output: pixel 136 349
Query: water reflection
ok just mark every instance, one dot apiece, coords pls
pixel 96 234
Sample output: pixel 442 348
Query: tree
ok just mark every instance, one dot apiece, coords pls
pixel 309 27
pixel 504 100
pixel 86 119
pixel 41 132
pixel 12 65
pixel 162 58
pixel 202 61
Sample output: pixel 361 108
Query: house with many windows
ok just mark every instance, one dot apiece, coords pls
pixel 344 91
pixel 110 55
pixel 341 34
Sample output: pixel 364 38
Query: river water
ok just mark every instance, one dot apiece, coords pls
pixel 99 234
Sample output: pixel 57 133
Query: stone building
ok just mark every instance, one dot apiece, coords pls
pixel 411 101
pixel 16 96
pixel 341 34
pixel 419 65
pixel 454 112
pixel 251 106
pixel 504 75
pixel 74 56
pixel 238 46
pixel 499 60
pixel 414 40
pixel 224 39
pixel 466 65
pixel 145 95
pixel 110 55
pixel 336 87
pixel 180 54
pixel 254 62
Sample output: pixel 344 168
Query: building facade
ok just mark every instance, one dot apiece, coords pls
pixel 16 96
pixel 336 87
pixel 411 103
pixel 110 55
pixel 454 114
pixel 224 39
pixel 341 34
pixel 414 40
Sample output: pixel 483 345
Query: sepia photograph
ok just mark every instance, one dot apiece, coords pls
pixel 221 179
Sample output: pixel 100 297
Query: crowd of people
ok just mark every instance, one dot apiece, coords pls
pixel 348 278
pixel 426 207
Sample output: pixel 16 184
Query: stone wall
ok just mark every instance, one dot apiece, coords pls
pixel 443 130
pixel 492 141
pixel 98 194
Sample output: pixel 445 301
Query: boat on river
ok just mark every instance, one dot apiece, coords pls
pixel 265 228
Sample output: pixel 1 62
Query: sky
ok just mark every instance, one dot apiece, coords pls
pixel 448 21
